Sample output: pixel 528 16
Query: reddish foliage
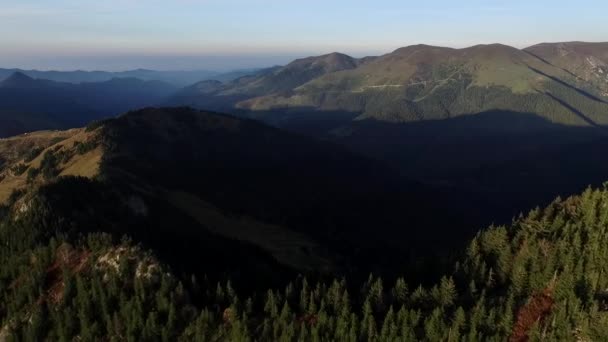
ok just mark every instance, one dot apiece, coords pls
pixel 228 316
pixel 536 310
pixel 309 320
pixel 74 260
pixel 571 205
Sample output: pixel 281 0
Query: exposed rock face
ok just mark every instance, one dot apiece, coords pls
pixel 144 266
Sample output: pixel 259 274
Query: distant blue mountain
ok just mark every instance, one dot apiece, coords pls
pixel 176 78
pixel 28 104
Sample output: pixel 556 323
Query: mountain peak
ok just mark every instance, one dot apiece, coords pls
pixel 17 79
pixel 495 47
pixel 418 53
pixel 334 61
pixel 494 52
pixel 419 47
pixel 562 49
pixel 336 55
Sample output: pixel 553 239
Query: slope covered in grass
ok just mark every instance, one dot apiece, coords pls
pixel 417 83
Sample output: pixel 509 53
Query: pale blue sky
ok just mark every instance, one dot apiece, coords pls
pixel 225 34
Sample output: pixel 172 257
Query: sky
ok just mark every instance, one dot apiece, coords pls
pixel 232 34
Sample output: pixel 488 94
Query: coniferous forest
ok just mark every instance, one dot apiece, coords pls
pixel 543 277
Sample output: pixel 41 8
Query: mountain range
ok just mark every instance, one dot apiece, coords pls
pixel 563 82
pixel 442 116
pixel 337 198
pixel 479 120
pixel 28 104
pixel 175 78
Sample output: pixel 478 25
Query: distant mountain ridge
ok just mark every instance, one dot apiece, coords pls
pixel 16 80
pixel 421 82
pixel 275 79
pixel 28 104
pixel 176 78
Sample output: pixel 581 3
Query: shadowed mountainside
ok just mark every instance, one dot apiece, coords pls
pixel 517 159
pixel 541 277
pixel 178 178
pixel 28 104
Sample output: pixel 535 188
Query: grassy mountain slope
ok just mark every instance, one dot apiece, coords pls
pixel 587 63
pixel 423 82
pixel 74 152
pixel 414 83
pixel 215 95
pixel 297 73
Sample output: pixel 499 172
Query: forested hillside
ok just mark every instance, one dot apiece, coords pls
pixel 543 277
pixel 175 224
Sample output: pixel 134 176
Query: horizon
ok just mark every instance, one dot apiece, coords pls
pixel 246 60
pixel 238 34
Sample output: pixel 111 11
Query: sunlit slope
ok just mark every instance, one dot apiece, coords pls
pixel 425 82
pixel 587 63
